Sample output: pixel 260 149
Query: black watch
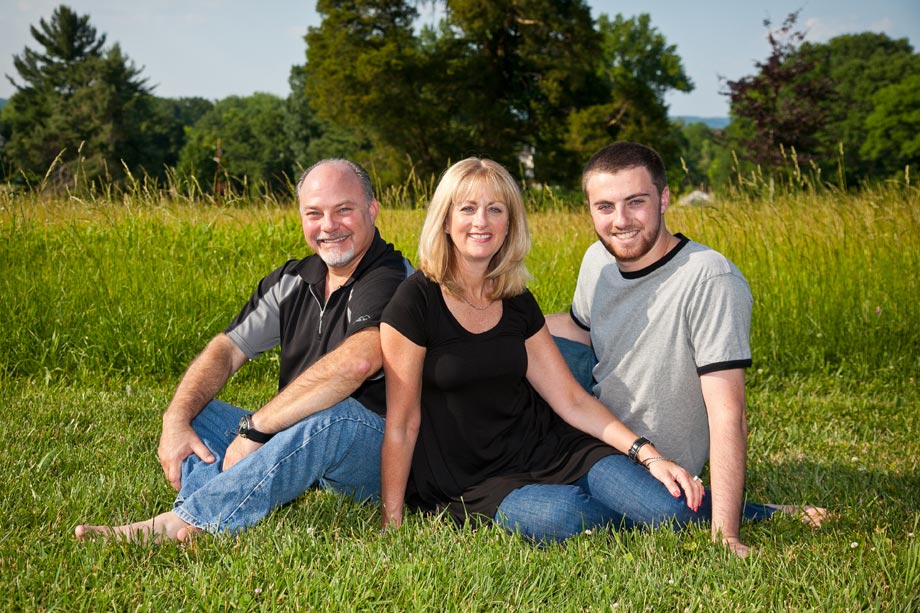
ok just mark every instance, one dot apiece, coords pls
pixel 246 430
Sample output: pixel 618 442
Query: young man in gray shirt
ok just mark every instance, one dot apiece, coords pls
pixel 669 321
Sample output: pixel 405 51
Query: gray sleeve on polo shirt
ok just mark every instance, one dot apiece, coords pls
pixel 258 328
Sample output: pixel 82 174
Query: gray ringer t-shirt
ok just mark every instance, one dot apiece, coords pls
pixel 655 331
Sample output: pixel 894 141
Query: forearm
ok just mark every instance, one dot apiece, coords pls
pixel 203 379
pixel 329 381
pixel 724 395
pixel 395 463
pixel 727 461
pixel 562 325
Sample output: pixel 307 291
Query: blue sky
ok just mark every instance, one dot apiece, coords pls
pixel 216 48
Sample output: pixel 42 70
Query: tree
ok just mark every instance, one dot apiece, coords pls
pixel 859 66
pixel 77 100
pixel 704 162
pixel 637 68
pixel 251 152
pixel 167 129
pixel 529 83
pixel 780 107
pixel 893 128
pixel 311 139
pixel 493 78
pixel 365 74
pixel 525 66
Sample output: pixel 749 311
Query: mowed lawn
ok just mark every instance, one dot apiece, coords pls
pixel 104 302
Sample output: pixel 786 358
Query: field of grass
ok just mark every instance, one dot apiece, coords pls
pixel 105 301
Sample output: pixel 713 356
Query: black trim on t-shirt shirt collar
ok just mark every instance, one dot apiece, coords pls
pixel 638 274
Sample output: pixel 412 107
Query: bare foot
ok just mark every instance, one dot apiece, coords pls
pixel 187 534
pixel 164 526
pixel 809 515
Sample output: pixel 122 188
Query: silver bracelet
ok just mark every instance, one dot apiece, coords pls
pixel 647 461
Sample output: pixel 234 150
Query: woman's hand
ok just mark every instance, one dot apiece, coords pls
pixel 676 478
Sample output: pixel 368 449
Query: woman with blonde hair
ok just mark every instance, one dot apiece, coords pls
pixel 480 404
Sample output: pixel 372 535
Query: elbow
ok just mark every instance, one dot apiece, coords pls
pixel 362 368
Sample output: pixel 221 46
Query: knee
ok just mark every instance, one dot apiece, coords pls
pixel 542 532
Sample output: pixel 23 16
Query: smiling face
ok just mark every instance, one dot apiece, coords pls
pixel 337 219
pixel 477 226
pixel 628 215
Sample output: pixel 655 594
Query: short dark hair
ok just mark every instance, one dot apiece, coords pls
pixel 365 179
pixel 622 155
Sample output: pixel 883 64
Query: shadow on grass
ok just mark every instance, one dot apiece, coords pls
pixel 860 497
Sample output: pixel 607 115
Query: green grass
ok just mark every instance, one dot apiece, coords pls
pixel 105 302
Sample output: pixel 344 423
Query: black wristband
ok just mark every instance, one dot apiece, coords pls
pixel 246 430
pixel 634 450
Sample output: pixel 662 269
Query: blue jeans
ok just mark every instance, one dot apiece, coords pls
pixel 615 491
pixel 336 449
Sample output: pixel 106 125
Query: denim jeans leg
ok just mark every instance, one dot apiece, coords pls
pixel 630 489
pixel 216 425
pixel 338 448
pixel 580 359
pixel 752 511
pixel 546 513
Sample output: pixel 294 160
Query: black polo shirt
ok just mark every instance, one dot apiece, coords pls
pixel 287 308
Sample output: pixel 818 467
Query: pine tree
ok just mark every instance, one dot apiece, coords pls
pixel 76 102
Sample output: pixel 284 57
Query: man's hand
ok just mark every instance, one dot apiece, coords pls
pixel 239 449
pixel 176 444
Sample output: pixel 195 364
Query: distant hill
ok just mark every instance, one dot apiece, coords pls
pixel 716 123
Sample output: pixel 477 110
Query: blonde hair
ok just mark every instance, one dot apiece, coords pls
pixel 436 256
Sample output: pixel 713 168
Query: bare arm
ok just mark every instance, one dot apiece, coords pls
pixel 562 324
pixel 203 379
pixel 549 375
pixel 328 381
pixel 723 392
pixel 402 365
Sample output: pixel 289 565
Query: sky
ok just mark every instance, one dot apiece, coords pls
pixel 218 48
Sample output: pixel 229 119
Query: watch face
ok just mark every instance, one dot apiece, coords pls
pixel 243 427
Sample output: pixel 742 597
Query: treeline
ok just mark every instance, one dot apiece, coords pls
pixel 535 84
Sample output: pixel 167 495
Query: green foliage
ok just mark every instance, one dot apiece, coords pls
pixel 532 84
pixel 636 70
pixel 310 138
pixel 893 128
pixel 362 74
pixel 237 142
pixel 860 66
pixel 75 101
pixel 849 102
pixel 528 65
pixel 167 127
pixel 782 106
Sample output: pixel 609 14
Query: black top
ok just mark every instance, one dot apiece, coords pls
pixel 484 430
pixel 287 308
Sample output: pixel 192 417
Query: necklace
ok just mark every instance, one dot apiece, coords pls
pixel 478 308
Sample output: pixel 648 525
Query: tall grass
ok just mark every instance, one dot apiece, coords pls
pixel 137 287
pixel 104 302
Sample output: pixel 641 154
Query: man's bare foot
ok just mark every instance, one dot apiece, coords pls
pixel 187 534
pixel 164 526
pixel 809 515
